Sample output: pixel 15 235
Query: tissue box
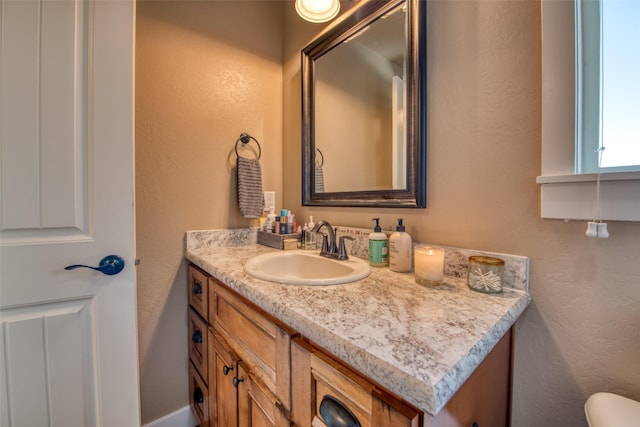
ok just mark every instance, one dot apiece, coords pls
pixel 275 240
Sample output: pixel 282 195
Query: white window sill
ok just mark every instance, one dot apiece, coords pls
pixel 574 196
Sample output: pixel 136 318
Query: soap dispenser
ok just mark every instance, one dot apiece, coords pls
pixel 400 250
pixel 378 246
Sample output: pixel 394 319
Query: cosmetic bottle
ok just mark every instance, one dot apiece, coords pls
pixel 305 231
pixel 271 221
pixel 400 250
pixel 310 237
pixel 378 246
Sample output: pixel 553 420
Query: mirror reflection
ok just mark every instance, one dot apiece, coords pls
pixel 359 88
pixel 364 121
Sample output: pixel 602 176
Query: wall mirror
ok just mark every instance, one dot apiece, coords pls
pixel 364 108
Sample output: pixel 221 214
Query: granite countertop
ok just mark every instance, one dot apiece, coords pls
pixel 420 343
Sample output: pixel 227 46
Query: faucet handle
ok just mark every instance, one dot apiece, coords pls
pixel 325 244
pixel 342 250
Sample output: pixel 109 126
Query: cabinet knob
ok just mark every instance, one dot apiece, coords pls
pixel 197 288
pixel 237 381
pixel 335 414
pixel 226 369
pixel 198 396
pixel 474 424
pixel 196 337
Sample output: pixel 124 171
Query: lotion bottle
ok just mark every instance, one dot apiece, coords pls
pixel 400 250
pixel 271 221
pixel 378 246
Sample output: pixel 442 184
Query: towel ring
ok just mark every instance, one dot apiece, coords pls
pixel 245 138
pixel 321 158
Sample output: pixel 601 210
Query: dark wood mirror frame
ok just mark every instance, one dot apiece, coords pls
pixel 354 21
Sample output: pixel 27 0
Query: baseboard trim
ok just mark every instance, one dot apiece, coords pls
pixel 183 417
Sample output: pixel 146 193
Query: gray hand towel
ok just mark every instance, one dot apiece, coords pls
pixel 250 196
pixel 319 179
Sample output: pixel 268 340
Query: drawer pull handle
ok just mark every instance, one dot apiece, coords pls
pixel 226 369
pixel 474 424
pixel 237 381
pixel 197 288
pixel 197 337
pixel 198 396
pixel 335 414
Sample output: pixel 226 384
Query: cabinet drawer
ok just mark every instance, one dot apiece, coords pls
pixel 198 292
pixel 323 386
pixel 259 342
pixel 198 396
pixel 198 343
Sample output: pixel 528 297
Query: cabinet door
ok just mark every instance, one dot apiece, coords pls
pixel 257 406
pixel 257 339
pixel 68 338
pixel 223 368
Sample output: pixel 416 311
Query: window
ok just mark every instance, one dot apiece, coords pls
pixel 568 177
pixel 607 86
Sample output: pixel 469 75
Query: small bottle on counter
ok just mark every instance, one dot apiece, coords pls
pixel 400 250
pixel 276 228
pixel 378 246
pixel 305 231
pixel 291 226
pixel 271 221
pixel 310 237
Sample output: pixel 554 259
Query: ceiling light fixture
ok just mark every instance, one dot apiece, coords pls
pixel 318 10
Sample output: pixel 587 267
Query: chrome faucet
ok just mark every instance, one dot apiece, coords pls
pixel 329 247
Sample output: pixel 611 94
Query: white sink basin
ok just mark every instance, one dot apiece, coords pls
pixel 305 268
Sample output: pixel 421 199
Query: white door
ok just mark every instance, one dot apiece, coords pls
pixel 68 339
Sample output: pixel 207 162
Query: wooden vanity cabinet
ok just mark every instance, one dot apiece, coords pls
pixel 251 370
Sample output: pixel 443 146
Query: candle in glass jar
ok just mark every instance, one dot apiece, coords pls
pixel 429 265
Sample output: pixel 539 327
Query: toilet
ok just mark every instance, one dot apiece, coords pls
pixel 611 410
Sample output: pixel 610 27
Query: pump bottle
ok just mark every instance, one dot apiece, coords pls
pixel 378 246
pixel 400 250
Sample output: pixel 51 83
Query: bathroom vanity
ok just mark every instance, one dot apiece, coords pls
pixel 383 350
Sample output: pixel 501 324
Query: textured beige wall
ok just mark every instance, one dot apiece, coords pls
pixel 581 334
pixel 205 72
